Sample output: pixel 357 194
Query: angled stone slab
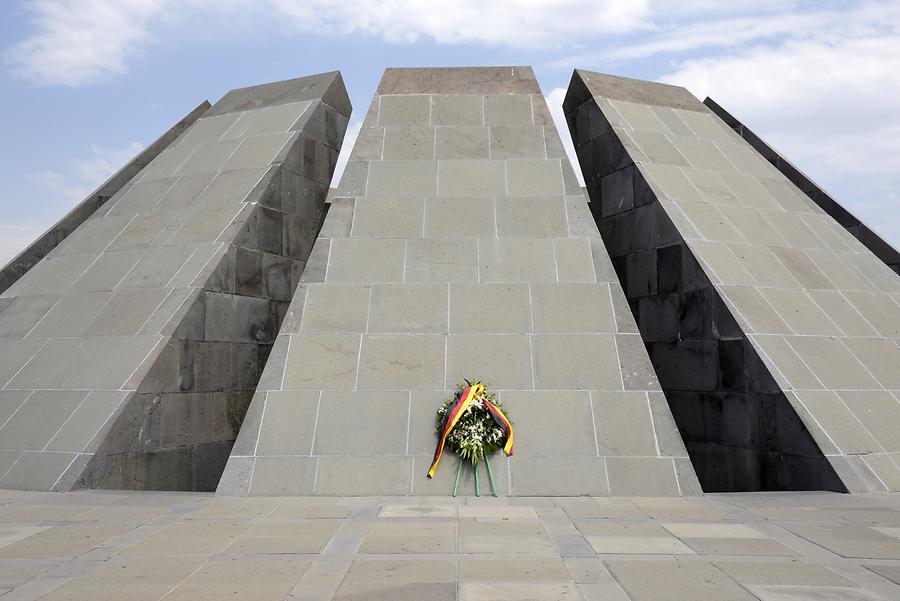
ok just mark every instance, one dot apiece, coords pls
pixel 130 352
pixel 773 330
pixel 458 245
pixel 880 247
pixel 28 258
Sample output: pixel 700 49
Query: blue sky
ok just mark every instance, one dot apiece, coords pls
pixel 84 84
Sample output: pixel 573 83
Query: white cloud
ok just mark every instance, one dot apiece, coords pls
pixel 78 41
pixel 519 23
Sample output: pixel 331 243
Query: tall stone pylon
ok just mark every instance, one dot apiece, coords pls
pixel 773 330
pixel 459 245
pixel 128 355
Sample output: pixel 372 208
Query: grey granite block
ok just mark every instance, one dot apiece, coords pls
pixel 556 423
pixel 557 476
pixel 364 475
pixel 459 218
pixel 466 142
pixel 279 476
pixel 404 110
pixel 335 309
pixel 534 178
pixel 354 179
pixel 39 418
pixel 531 218
pixel 378 421
pixel 413 309
pixel 401 178
pixel 392 361
pixel 322 361
pixel 288 423
pixel 516 260
pixel 576 361
pixel 489 308
pixel 457 109
pixel 624 423
pixel 362 260
pixel 517 143
pixel 573 308
pixel 409 143
pixel 471 177
pixel 513 109
pixel 500 361
pixel 437 260
pixel 37 471
pixel 388 218
pixel 575 260
pixel 651 475
pixel 22 313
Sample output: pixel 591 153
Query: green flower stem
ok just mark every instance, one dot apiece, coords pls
pixel 477 490
pixel 458 470
pixel 490 476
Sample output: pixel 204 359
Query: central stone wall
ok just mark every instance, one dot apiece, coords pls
pixel 459 245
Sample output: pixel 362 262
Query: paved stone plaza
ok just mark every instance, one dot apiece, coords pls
pixel 96 546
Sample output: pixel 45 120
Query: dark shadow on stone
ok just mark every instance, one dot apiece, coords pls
pixel 739 428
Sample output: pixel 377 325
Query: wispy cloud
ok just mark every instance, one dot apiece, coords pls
pixel 78 41
pixel 81 41
pixel 512 23
pixel 83 175
pixel 674 38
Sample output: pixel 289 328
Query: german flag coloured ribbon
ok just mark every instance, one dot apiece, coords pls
pixel 504 424
pixel 464 399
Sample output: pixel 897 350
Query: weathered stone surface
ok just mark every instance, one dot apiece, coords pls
pixel 772 329
pixel 134 347
pixel 120 181
pixel 877 245
pixel 457 252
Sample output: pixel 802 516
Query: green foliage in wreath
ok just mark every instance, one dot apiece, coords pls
pixel 476 434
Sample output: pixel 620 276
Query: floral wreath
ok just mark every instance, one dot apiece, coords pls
pixel 473 425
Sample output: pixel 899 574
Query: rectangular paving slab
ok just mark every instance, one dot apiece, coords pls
pixel 458 245
pixel 773 330
pixel 130 352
